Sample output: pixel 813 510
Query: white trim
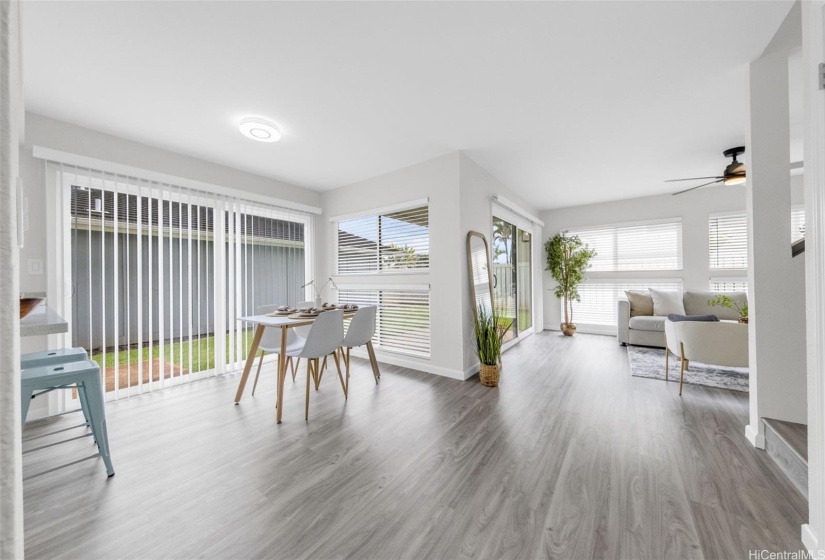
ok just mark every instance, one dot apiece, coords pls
pixel 813 53
pixel 58 156
pixel 757 440
pixel 809 538
pixel 414 364
pixel 385 287
pixel 383 210
pixel 513 207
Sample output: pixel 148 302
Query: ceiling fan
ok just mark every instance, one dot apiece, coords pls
pixel 734 173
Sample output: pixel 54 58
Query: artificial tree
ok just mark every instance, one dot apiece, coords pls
pixel 567 260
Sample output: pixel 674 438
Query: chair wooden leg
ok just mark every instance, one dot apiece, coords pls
pixel 292 367
pixel 682 372
pixel 373 362
pixel 340 377
pixel 345 357
pixel 309 372
pixel 257 373
pixel 297 365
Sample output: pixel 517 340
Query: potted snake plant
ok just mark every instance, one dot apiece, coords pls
pixel 489 329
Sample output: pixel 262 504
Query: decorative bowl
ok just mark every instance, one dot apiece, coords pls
pixel 28 304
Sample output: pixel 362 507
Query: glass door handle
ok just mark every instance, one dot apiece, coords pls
pixel 495 281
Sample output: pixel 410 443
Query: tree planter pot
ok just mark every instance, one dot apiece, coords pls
pixel 489 375
pixel 743 320
pixel 569 329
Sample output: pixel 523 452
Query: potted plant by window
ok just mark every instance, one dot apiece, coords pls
pixel 489 329
pixel 726 301
pixel 567 260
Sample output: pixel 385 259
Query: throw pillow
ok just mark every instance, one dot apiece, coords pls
pixel 665 303
pixel 702 318
pixel 640 302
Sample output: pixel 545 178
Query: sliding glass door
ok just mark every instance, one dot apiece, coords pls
pixel 160 273
pixel 512 277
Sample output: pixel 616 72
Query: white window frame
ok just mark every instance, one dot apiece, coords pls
pixel 333 220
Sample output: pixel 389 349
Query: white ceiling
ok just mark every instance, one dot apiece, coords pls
pixel 567 103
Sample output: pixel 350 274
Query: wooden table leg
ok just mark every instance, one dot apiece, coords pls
pixel 250 359
pixel 281 374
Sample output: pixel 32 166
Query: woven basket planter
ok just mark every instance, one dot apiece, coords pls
pixel 490 375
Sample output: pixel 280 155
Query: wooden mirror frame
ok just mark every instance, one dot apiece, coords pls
pixel 471 272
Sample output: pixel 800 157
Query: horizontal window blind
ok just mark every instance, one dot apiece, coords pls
pixel 402 321
pixel 599 299
pixel 797 224
pixel 728 241
pixel 645 246
pixel 160 274
pixel 728 284
pixel 388 242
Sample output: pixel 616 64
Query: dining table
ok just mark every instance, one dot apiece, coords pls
pixel 263 322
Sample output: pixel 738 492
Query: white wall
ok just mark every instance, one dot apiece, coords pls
pixel 694 209
pixel 776 286
pixel 437 180
pixel 477 189
pixel 460 199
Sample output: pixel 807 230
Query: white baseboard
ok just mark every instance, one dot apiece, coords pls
pixel 809 539
pixel 413 363
pixel 757 440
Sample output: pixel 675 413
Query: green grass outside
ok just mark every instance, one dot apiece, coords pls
pixel 202 352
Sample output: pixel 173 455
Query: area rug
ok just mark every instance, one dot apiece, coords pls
pixel 650 362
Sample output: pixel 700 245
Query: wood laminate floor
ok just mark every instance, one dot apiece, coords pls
pixel 570 457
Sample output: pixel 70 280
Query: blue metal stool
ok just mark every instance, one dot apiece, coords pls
pixel 83 375
pixel 57 357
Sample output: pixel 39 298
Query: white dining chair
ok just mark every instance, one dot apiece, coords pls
pixel 271 343
pixel 360 332
pixel 303 332
pixel 325 337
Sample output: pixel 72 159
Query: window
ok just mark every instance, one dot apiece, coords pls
pixel 599 298
pixel 728 241
pixel 390 242
pixel 382 242
pixel 403 318
pixel 645 246
pixel 797 223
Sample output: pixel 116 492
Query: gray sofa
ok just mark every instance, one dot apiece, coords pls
pixel 649 330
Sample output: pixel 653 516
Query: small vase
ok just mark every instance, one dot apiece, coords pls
pixel 743 320
pixel 569 329
pixel 318 301
pixel 490 375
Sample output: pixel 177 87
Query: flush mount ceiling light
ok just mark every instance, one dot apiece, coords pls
pixel 259 129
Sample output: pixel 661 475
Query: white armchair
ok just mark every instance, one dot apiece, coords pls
pixel 722 344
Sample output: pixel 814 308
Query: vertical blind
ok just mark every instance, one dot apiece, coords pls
pixel 728 241
pixel 644 246
pixel 599 298
pixel 160 273
pixel 393 241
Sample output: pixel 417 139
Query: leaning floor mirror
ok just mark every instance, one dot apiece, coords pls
pixel 481 275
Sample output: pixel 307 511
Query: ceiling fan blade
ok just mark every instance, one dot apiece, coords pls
pixel 692 179
pixel 699 187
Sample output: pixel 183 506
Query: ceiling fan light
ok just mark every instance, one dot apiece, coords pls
pixel 735 180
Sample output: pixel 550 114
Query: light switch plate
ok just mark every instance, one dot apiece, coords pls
pixel 35 267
